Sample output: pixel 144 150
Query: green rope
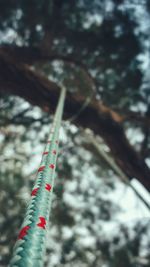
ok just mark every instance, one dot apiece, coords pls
pixel 29 250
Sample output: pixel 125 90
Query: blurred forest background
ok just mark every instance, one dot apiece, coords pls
pixel 100 51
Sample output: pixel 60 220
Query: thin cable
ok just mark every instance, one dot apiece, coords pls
pixel 116 169
pixel 29 250
pixel 85 104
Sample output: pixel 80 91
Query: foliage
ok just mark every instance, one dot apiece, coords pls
pixel 96 47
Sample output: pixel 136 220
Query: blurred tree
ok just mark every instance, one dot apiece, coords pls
pixel 100 51
pixel 97 45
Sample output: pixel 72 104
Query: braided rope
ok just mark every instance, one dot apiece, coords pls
pixel 29 249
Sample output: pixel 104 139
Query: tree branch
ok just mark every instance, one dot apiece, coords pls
pixel 18 79
pixel 32 55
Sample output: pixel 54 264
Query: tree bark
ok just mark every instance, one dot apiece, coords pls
pixel 19 79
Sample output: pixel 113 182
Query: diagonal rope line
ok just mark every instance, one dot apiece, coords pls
pixel 29 249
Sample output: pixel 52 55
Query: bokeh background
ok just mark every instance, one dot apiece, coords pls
pixel 99 50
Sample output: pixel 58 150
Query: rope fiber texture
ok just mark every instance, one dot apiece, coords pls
pixel 30 247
